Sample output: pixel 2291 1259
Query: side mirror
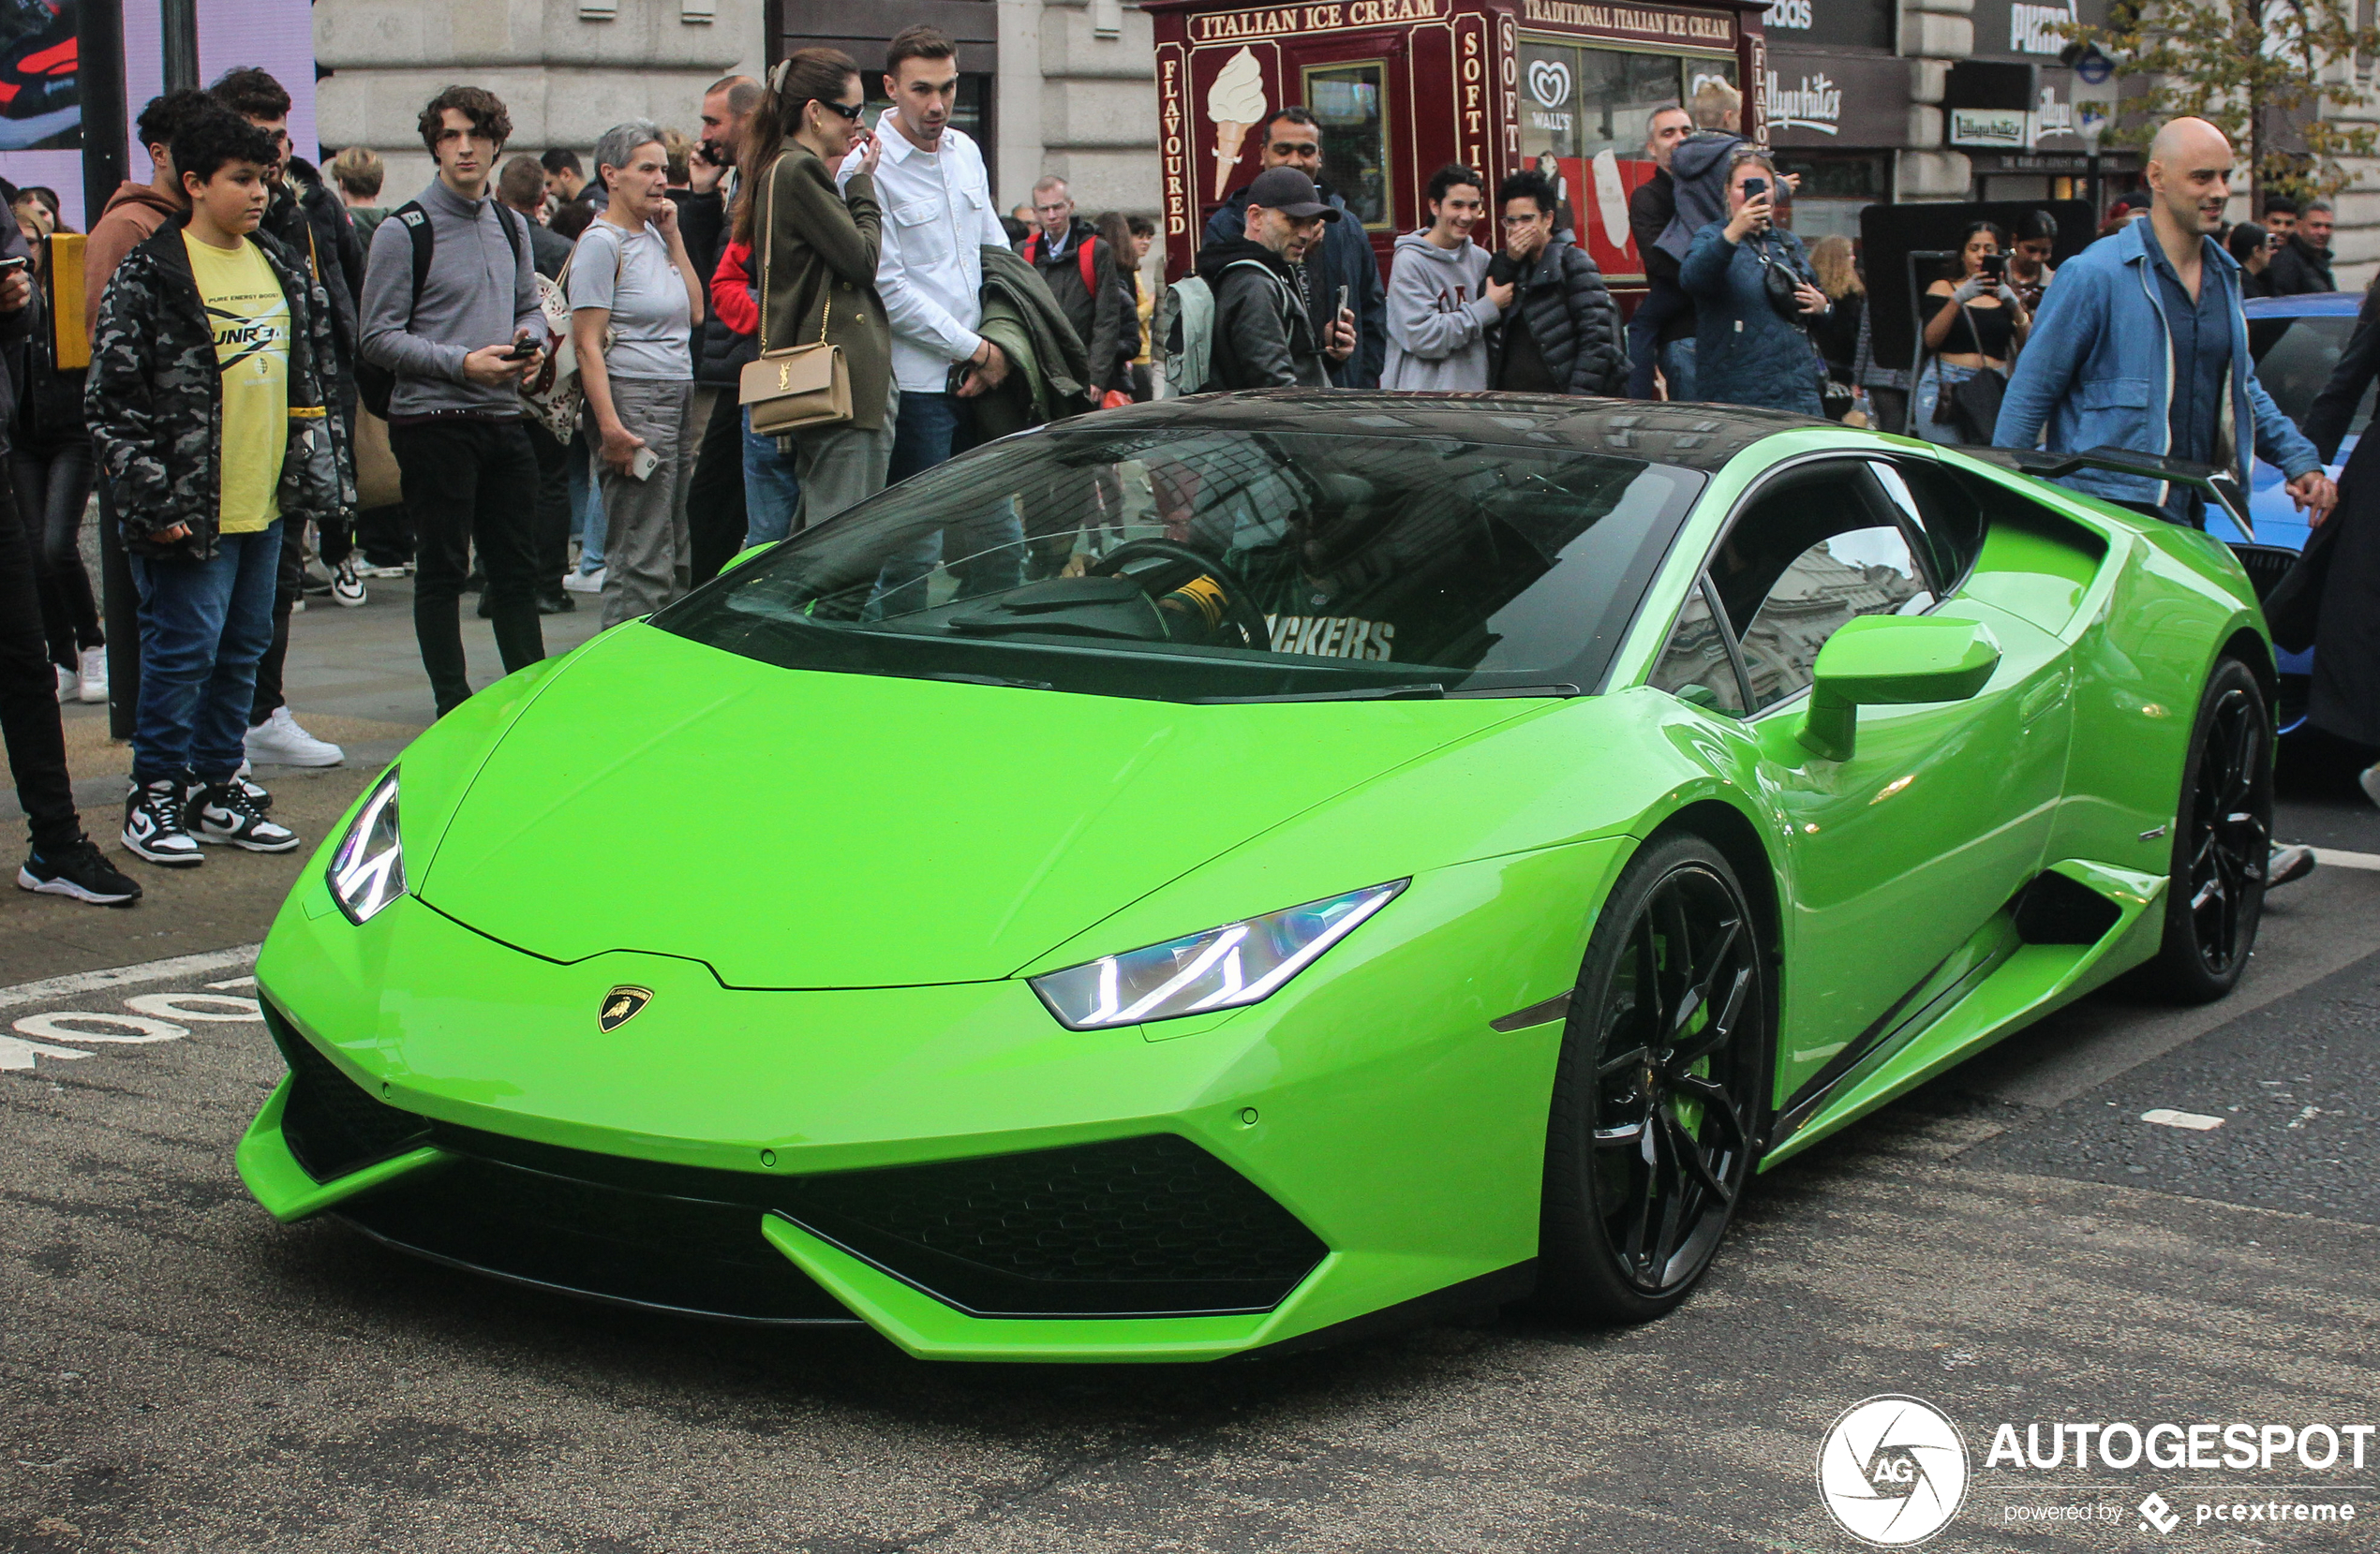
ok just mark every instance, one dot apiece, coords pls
pixel 1882 661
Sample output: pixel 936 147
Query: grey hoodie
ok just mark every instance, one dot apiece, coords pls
pixel 476 294
pixel 1437 319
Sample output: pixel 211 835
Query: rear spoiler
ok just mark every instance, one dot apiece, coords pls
pixel 2217 484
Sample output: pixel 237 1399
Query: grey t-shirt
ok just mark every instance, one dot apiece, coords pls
pixel 630 273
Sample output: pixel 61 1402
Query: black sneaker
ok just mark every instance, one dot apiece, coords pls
pixel 153 828
pixel 552 601
pixel 81 871
pixel 223 812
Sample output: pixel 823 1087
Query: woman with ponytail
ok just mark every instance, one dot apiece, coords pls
pixel 814 252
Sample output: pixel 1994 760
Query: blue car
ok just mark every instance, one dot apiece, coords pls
pixel 2296 341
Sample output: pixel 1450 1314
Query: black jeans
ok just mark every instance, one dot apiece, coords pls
pixel 553 507
pixel 54 483
pixel 470 481
pixel 715 517
pixel 36 741
pixel 289 585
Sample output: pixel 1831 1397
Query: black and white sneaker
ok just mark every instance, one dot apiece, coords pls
pixel 223 812
pixel 81 871
pixel 152 825
pixel 248 785
pixel 346 588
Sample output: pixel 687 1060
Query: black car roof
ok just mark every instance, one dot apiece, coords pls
pixel 1689 436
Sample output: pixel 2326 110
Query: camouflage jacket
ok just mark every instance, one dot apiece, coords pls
pixel 154 401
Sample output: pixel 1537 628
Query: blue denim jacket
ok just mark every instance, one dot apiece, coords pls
pixel 2098 371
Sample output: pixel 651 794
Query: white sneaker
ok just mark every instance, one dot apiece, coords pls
pixel 95 675
pixel 366 569
pixel 346 588
pixel 2369 781
pixel 69 684
pixel 585 583
pixel 297 606
pixel 280 742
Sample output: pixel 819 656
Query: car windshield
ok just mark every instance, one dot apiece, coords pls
pixel 2294 360
pixel 1220 565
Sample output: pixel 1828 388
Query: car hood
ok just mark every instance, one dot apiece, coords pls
pixel 796 829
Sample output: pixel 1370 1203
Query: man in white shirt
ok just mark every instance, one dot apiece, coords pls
pixel 938 216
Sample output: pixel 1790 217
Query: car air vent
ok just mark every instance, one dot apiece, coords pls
pixel 332 1127
pixel 2266 566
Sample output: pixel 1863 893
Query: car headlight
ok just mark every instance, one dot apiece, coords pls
pixel 367 872
pixel 1227 967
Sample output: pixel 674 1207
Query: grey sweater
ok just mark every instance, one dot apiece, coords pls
pixel 466 305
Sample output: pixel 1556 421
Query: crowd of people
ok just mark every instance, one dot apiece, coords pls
pixel 563 359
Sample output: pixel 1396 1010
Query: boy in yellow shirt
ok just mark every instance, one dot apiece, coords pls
pixel 206 401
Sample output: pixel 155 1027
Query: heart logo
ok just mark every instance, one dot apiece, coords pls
pixel 1549 83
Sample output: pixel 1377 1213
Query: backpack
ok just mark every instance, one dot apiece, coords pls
pixel 1185 331
pixel 374 383
pixel 1083 258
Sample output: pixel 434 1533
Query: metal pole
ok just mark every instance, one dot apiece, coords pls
pixel 179 20
pixel 99 72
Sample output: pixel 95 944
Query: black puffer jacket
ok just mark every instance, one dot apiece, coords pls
pixel 1570 316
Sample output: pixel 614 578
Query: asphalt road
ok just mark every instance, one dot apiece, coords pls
pixel 2013 1244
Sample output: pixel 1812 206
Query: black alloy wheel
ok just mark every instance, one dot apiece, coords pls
pixel 1660 1088
pixel 2223 839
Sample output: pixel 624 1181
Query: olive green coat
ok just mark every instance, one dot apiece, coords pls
pixel 815 250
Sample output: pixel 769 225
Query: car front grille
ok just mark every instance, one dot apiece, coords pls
pixel 1151 1225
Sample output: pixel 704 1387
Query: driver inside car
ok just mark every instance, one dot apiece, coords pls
pixel 1317 582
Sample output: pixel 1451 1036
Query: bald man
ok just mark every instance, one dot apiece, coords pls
pixel 2141 345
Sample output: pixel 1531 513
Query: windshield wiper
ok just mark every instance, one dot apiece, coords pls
pixel 1558 687
pixel 1428 692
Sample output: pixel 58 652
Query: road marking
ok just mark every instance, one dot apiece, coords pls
pixel 125 976
pixel 2167 1116
pixel 134 1029
pixel 202 1007
pixel 2335 858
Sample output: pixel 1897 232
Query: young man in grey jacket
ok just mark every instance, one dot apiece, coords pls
pixel 1442 303
pixel 455 414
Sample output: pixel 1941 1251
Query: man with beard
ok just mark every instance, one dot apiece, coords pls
pixel 1264 337
pixel 1343 258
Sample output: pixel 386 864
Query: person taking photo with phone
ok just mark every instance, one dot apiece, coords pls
pixel 1753 292
pixel 634 300
pixel 455 347
pixel 1974 327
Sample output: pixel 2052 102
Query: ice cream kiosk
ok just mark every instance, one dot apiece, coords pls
pixel 1403 87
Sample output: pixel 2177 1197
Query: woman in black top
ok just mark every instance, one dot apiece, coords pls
pixel 1837 335
pixel 1977 326
pixel 2342 557
pixel 50 457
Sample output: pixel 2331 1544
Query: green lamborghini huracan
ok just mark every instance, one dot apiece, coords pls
pixel 1228 874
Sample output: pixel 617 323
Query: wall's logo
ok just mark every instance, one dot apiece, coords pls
pixel 1892 1471
pixel 2156 1516
pixel 1549 83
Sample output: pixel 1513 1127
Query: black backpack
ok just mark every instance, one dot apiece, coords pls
pixel 373 382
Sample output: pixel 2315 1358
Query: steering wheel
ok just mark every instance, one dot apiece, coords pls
pixel 1237 606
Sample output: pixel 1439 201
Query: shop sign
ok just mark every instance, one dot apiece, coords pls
pixel 1633 23
pixel 1829 99
pixel 1858 23
pixel 1816 103
pixel 1291 20
pixel 2005 128
pixel 2031 29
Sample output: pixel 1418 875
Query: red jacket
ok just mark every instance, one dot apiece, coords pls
pixel 731 289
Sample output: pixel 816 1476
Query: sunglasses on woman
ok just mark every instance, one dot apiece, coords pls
pixel 849 110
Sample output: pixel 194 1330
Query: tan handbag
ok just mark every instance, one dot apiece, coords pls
pixel 798 387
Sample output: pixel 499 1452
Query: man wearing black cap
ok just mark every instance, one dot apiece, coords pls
pixel 1264 337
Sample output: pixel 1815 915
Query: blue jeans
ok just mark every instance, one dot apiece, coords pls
pixel 771 490
pixel 991 555
pixel 1677 367
pixel 1937 377
pixel 203 626
pixel 587 504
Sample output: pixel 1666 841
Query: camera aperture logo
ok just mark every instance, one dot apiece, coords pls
pixel 1892 1471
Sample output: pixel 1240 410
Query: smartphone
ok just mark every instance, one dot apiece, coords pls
pixel 1754 188
pixel 11 265
pixel 1995 266
pixel 522 351
pixel 642 464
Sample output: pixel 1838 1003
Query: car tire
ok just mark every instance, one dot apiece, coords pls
pixel 1660 1091
pixel 2221 836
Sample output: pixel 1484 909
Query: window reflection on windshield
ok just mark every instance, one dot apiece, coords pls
pixel 1219 564
pixel 2295 357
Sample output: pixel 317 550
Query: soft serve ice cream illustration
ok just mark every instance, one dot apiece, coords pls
pixel 1236 104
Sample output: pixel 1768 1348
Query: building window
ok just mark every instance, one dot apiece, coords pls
pixel 1835 187
pixel 1353 113
pixel 1576 102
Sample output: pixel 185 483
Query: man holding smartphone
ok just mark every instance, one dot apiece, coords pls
pixel 458 343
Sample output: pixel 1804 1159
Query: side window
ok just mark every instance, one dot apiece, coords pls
pixel 1815 550
pixel 1940 510
pixel 1695 665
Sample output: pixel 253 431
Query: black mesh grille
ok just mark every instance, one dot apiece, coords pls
pixel 332 1127
pixel 1144 1227
pixel 1125 1226
pixel 2266 566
